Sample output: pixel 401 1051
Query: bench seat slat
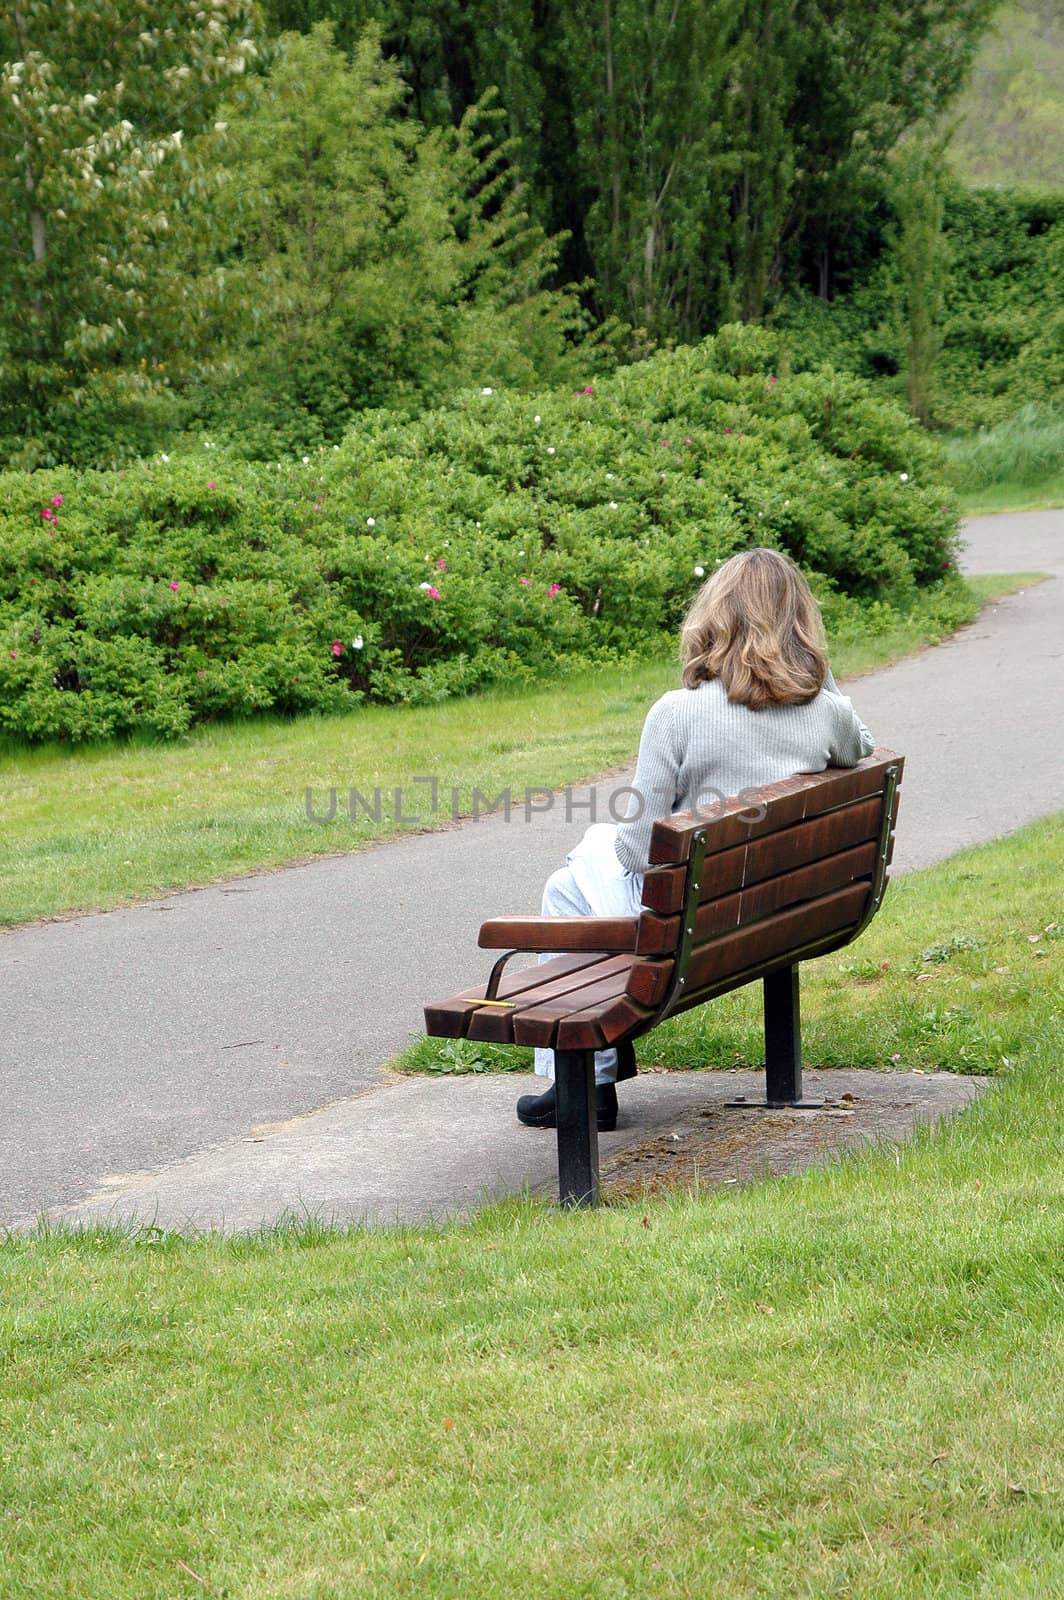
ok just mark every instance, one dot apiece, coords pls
pixel 599 1027
pixel 446 1018
pixel 538 1024
pixel 787 802
pixel 496 1023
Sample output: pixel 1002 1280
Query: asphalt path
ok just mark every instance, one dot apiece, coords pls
pixel 140 1038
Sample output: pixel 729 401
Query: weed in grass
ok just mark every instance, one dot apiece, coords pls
pixel 947 949
pixel 459 1056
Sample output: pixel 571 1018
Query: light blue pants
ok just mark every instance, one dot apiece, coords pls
pixel 591 884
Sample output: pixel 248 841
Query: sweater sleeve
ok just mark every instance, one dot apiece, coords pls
pixel 655 784
pixel 852 741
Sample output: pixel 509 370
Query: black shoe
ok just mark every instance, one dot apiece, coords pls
pixel 541 1110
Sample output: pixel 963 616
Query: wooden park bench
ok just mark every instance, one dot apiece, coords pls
pixel 786 872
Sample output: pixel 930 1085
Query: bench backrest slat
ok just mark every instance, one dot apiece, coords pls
pixel 797 875
pixel 791 800
pixel 794 846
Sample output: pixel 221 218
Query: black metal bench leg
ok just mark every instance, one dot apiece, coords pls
pixel 578 1173
pixel 783 1048
pixel 783 1038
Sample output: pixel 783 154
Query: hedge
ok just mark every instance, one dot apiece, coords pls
pixel 495 540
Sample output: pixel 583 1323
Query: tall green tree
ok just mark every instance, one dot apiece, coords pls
pixel 99 106
pixel 649 80
pixel 918 183
pixel 870 70
pixel 379 262
pixel 699 151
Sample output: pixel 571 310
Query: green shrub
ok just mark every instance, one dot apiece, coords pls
pixel 494 540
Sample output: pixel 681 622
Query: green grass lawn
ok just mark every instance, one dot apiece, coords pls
pixel 1044 496
pixel 90 829
pixel 843 1383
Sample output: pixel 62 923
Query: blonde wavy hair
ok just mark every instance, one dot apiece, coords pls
pixel 755 625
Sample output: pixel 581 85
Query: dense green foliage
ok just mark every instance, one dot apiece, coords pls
pixel 265 252
pixel 1000 335
pixel 1012 111
pixel 482 542
pixel 109 161
pixel 1025 450
pixel 265 276
pixel 695 150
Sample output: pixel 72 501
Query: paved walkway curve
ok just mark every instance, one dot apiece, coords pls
pixel 175 1058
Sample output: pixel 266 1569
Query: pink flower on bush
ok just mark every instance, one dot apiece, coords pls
pixel 47 513
pixel 441 565
pixel 945 564
pixel 432 592
pixel 664 444
pixel 199 672
pixel 589 390
pixel 210 483
pixel 727 430
pixel 526 583
pixel 688 441
pixel 175 586
pixel 13 654
pixel 57 499
pixel 554 589
pixel 337 648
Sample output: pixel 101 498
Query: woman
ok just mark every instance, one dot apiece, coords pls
pixel 758 704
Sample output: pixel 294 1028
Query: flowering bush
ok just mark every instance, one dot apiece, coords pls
pixel 493 540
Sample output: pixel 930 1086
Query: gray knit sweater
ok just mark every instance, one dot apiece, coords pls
pixel 697 746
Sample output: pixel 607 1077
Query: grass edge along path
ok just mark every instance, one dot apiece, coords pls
pixel 840 1382
pixel 105 827
pixel 1007 497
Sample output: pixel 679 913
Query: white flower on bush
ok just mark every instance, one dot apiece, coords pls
pixel 485 391
pixel 904 476
pixel 163 456
pixel 613 505
pixel 535 419
pixel 371 522
pixel 357 642
pixel 609 477
pixel 306 461
pixel 700 572
pixel 550 449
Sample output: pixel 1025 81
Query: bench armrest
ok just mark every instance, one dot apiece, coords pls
pixel 559 933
